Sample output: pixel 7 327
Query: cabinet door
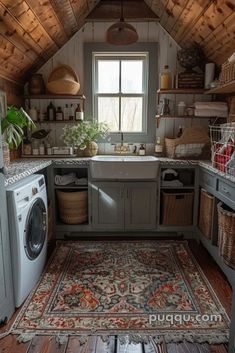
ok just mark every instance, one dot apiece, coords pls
pixel 107 205
pixel 140 205
pixel 6 289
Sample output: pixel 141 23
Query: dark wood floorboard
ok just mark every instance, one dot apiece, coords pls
pixel 49 344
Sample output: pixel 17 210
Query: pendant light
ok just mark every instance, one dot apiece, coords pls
pixel 121 33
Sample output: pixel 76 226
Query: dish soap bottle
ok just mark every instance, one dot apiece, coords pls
pixel 142 150
pixel 165 78
pixel 158 147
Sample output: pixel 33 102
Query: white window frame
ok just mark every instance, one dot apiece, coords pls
pixel 144 56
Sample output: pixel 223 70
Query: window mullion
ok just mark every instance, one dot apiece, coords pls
pixel 120 87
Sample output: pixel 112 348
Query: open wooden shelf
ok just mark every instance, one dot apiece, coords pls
pixel 182 91
pixel 57 122
pixel 224 89
pixel 186 117
pixel 55 96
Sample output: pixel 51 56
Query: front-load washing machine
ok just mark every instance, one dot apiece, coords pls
pixel 27 209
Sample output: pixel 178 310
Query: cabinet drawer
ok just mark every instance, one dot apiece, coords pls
pixel 207 180
pixel 226 192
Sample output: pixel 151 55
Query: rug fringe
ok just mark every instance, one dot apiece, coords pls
pixel 131 338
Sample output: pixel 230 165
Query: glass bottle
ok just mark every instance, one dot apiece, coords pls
pixel 66 112
pixel 59 114
pixel 78 113
pixel 165 78
pixel 51 112
pixel 71 112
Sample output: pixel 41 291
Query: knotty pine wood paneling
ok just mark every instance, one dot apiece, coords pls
pixel 13 91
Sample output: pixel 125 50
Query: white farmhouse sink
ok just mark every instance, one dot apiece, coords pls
pixel 124 167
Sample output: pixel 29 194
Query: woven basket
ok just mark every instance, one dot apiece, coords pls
pixel 227 73
pixel 226 222
pixel 63 80
pixel 177 208
pixel 73 206
pixel 206 214
pixel 194 144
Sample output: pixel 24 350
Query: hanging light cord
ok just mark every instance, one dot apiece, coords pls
pixel 122 18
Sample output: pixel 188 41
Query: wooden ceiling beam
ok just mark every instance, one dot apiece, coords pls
pixel 15 27
pixel 28 21
pixel 190 15
pixel 49 20
pixel 172 13
pixel 213 17
pixel 66 15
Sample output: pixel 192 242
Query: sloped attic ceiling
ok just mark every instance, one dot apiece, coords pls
pixel 31 31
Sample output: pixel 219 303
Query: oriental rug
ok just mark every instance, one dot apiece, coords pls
pixel 137 288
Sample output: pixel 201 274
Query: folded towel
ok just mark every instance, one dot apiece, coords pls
pixel 210 113
pixel 171 183
pixel 222 106
pixel 81 181
pixel 65 179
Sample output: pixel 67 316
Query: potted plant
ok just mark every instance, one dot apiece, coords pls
pixel 84 136
pixel 12 126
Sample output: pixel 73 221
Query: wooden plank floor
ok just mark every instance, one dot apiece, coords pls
pixel 49 344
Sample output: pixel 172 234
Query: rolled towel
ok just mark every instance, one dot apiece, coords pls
pixel 65 179
pixel 210 113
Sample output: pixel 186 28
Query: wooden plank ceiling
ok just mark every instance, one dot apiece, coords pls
pixel 31 31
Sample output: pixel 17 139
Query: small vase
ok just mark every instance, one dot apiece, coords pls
pixel 91 149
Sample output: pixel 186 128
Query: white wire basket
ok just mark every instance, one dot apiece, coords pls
pixel 223 147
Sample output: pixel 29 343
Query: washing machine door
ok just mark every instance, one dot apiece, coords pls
pixel 35 229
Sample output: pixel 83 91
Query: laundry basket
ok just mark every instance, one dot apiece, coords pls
pixel 73 206
pixel 206 213
pixel 226 223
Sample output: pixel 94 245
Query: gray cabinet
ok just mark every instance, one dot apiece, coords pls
pixel 107 205
pixel 123 206
pixel 6 288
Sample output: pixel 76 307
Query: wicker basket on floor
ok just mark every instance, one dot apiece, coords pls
pixel 206 214
pixel 226 222
pixel 73 206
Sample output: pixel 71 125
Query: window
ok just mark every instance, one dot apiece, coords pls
pixel 120 84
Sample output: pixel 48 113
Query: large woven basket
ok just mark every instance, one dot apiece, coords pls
pixel 193 144
pixel 177 208
pixel 226 223
pixel 63 80
pixel 206 213
pixel 227 73
pixel 73 206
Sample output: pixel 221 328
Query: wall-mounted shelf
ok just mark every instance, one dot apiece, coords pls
pixel 223 89
pixel 182 91
pixel 55 96
pixel 186 117
pixel 57 122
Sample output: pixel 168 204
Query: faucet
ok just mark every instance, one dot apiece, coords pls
pixel 121 148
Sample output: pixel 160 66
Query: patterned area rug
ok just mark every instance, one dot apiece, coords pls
pixel 140 288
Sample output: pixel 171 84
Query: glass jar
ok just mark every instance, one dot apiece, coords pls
pixel 165 78
pixel 181 108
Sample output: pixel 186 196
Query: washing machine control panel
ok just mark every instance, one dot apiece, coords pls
pixel 34 190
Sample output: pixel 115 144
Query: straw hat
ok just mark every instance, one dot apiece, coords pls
pixel 63 80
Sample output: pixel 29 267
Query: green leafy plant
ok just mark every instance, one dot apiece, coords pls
pixel 13 125
pixel 85 132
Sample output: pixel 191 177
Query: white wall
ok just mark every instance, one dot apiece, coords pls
pixel 72 54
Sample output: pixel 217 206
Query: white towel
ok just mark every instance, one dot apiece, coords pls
pixel 210 113
pixel 81 181
pixel 65 179
pixel 221 106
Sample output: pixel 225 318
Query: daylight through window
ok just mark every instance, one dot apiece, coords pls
pixel 120 91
